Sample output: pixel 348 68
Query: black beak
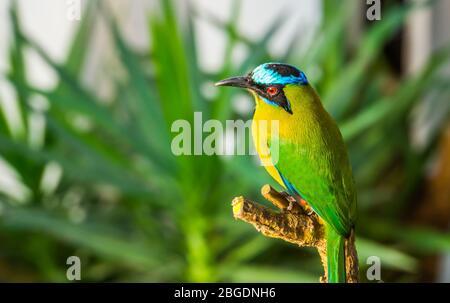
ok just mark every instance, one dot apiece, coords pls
pixel 243 82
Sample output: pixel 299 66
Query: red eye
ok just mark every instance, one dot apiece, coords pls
pixel 272 90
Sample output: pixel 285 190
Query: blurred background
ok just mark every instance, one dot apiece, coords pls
pixel 86 106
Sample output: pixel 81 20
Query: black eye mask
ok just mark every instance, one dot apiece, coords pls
pixel 279 99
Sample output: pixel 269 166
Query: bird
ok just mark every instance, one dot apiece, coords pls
pixel 312 160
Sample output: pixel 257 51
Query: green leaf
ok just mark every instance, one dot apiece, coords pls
pixel 18 71
pixel 339 96
pixel 410 91
pixel 79 168
pixel 389 257
pixel 145 107
pixel 423 239
pixel 103 241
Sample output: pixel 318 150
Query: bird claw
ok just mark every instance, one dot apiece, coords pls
pixel 285 195
pixel 291 205
pixel 293 202
pixel 297 204
pixel 289 199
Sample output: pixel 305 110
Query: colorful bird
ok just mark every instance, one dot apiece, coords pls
pixel 312 161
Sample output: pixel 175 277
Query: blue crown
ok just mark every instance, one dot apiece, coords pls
pixel 278 73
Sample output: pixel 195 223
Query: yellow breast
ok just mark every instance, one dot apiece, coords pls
pixel 290 126
pixel 263 125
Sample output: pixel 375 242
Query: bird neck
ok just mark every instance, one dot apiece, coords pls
pixel 306 107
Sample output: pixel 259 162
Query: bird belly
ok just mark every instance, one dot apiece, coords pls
pixel 261 136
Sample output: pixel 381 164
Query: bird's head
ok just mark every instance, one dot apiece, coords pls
pixel 268 82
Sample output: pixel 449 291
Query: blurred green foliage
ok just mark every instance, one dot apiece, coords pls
pixel 134 212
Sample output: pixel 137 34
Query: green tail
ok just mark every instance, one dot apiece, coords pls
pixel 335 256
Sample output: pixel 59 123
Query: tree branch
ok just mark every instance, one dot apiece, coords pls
pixel 294 223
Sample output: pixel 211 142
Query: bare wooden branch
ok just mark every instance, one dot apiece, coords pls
pixel 351 259
pixel 294 224
pixel 275 197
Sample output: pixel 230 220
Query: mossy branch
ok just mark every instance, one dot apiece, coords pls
pixel 294 223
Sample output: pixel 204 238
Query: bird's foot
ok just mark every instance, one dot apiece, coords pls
pixel 286 196
pixel 290 199
pixel 308 209
pixel 303 204
pixel 291 206
pixel 297 201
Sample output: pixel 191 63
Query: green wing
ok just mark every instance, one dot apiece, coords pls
pixel 323 178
